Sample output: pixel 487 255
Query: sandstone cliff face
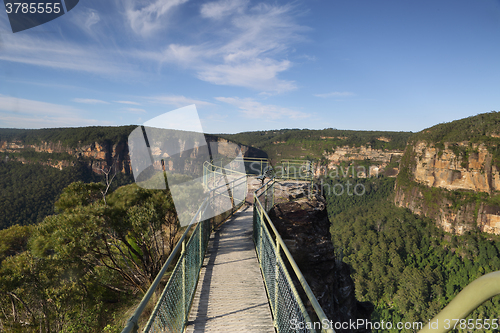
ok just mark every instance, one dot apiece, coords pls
pixel 379 158
pixel 443 168
pixel 304 226
pixel 98 156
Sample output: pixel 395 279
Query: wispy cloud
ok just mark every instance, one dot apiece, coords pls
pixel 89 101
pixel 127 102
pixel 25 113
pixel 147 19
pixel 248 48
pixel 253 109
pixel 86 19
pixel 47 52
pixel 135 110
pixel 230 42
pixel 336 94
pixel 219 9
pixel 177 101
pixel 257 74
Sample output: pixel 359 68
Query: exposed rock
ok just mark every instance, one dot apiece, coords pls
pixel 378 157
pixel 443 168
pixel 100 156
pixel 304 226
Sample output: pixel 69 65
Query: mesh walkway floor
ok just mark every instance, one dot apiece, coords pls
pixel 230 296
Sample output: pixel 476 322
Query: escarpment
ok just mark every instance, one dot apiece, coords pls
pixel 451 173
pixel 304 227
pixel 101 155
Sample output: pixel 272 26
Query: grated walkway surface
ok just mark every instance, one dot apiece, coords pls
pixel 230 296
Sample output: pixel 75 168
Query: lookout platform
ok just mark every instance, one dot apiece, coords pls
pixel 231 296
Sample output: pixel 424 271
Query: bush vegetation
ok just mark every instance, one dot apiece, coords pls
pixel 310 144
pixel 402 263
pixel 81 269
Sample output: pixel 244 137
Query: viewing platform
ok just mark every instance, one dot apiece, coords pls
pixel 231 296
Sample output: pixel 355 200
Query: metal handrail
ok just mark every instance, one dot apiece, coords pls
pixel 132 325
pixel 280 244
pixel 472 296
pixel 306 174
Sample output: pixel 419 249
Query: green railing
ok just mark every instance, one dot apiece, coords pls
pixel 172 308
pixel 472 296
pixel 295 170
pixel 213 173
pixel 287 306
pixel 255 165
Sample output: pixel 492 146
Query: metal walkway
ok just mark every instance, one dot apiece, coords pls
pixel 231 296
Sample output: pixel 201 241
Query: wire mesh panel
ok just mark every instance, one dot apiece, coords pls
pixel 267 260
pixel 289 312
pixel 168 315
pixel 173 306
pixel 294 169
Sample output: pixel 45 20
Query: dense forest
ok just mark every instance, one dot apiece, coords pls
pixel 310 144
pixel 28 191
pixel 71 137
pixel 402 263
pixel 83 268
pixel 483 127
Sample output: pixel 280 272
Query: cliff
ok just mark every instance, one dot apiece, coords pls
pixel 327 145
pixel 304 226
pixel 96 155
pixel 366 161
pixel 101 155
pixel 455 182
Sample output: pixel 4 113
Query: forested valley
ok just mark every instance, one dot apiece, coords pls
pixel 28 191
pixel 402 263
pixel 84 268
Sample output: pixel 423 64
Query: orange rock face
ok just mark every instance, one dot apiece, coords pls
pixel 442 168
pixel 445 169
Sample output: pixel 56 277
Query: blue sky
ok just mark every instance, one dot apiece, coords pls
pixel 255 65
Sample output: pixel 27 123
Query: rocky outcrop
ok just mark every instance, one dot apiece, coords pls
pixel 443 168
pixel 97 156
pixel 101 156
pixel 304 226
pixel 452 183
pixel 379 160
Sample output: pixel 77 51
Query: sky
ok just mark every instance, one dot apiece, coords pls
pixel 255 65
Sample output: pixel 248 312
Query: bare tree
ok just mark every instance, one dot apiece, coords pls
pixel 109 173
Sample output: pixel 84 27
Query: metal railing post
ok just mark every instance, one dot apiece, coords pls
pixel 202 233
pixel 261 232
pixel 265 198
pixel 276 284
pixel 183 256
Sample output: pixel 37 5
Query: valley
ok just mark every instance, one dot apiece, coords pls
pixel 425 225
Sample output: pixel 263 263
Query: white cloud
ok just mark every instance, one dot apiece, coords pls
pixel 89 101
pixel 219 9
pixel 135 110
pixel 25 113
pixel 241 44
pixel 149 18
pixel 248 50
pixel 128 102
pixel 60 54
pixel 258 74
pixel 336 94
pixel 177 101
pixel 253 109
